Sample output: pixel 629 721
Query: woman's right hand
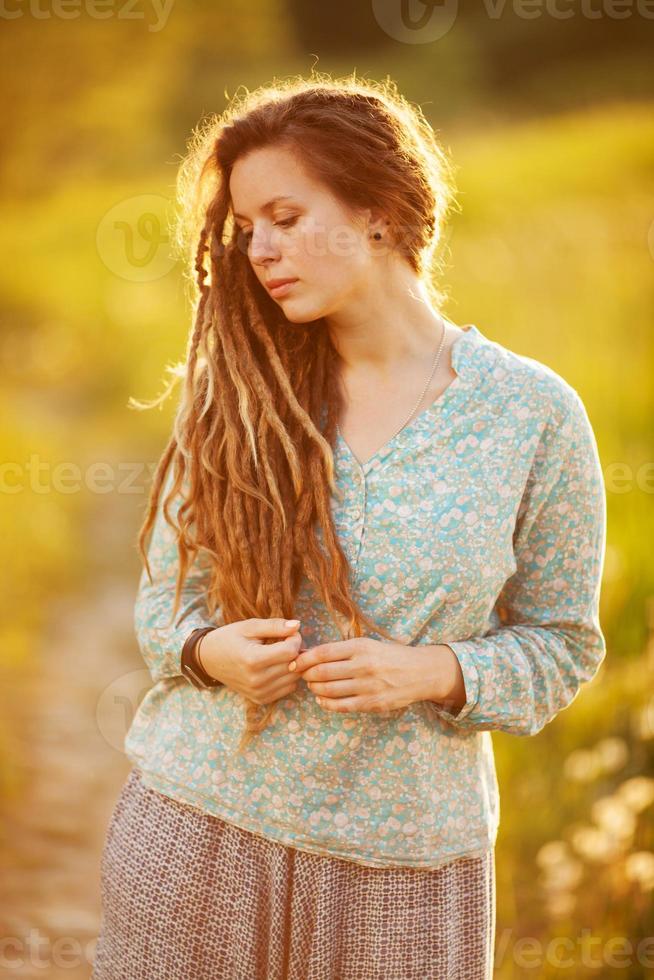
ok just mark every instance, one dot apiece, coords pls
pixel 236 655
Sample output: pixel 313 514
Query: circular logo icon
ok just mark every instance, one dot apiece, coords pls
pixel 118 703
pixel 415 21
pixel 133 238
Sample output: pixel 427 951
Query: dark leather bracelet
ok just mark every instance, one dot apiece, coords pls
pixel 190 664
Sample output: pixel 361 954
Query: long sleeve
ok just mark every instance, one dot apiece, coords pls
pixel 159 640
pixel 546 640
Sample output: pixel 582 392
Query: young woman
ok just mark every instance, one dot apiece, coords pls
pixel 376 537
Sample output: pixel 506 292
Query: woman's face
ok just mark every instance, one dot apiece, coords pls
pixel 306 235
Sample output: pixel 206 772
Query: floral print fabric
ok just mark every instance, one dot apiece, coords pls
pixel 482 524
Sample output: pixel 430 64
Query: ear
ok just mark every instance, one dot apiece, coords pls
pixel 372 220
pixel 377 221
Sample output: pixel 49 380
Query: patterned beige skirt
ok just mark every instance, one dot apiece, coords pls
pixel 187 895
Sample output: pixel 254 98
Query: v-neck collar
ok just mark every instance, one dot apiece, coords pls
pixel 462 357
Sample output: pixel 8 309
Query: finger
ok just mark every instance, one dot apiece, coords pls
pixel 282 652
pixel 292 665
pixel 330 671
pixel 261 628
pixel 282 688
pixel 344 704
pixel 323 652
pixel 335 689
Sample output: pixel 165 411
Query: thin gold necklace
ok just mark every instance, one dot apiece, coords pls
pixel 419 402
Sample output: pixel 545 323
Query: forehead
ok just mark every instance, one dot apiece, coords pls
pixel 262 177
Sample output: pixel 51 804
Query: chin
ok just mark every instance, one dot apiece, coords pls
pixel 297 315
pixel 290 315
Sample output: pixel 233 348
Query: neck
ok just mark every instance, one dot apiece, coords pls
pixel 392 330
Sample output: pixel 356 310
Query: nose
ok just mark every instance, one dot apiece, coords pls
pixel 263 246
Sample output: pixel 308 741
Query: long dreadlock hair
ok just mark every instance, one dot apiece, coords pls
pixel 253 438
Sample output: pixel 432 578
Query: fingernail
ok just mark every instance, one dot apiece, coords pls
pixel 292 622
pixel 292 665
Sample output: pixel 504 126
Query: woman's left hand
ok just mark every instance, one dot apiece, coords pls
pixel 363 674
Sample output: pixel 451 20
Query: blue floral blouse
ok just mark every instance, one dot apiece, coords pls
pixel 482 524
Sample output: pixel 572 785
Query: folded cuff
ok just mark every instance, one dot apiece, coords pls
pixel 464 650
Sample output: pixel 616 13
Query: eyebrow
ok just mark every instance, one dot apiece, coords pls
pixel 269 204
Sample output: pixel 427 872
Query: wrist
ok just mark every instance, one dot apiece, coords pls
pixel 192 667
pixel 197 656
pixel 442 679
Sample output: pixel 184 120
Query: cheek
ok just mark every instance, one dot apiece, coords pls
pixel 333 247
pixel 335 278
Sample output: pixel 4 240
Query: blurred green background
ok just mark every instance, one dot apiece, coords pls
pixel 549 120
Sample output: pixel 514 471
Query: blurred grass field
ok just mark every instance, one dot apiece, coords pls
pixel 551 255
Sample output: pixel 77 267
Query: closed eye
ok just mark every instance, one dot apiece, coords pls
pixel 286 223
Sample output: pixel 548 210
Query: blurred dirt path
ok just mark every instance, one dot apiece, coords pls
pixel 64 720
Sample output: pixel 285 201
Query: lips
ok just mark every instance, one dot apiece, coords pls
pixel 275 283
pixel 279 288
